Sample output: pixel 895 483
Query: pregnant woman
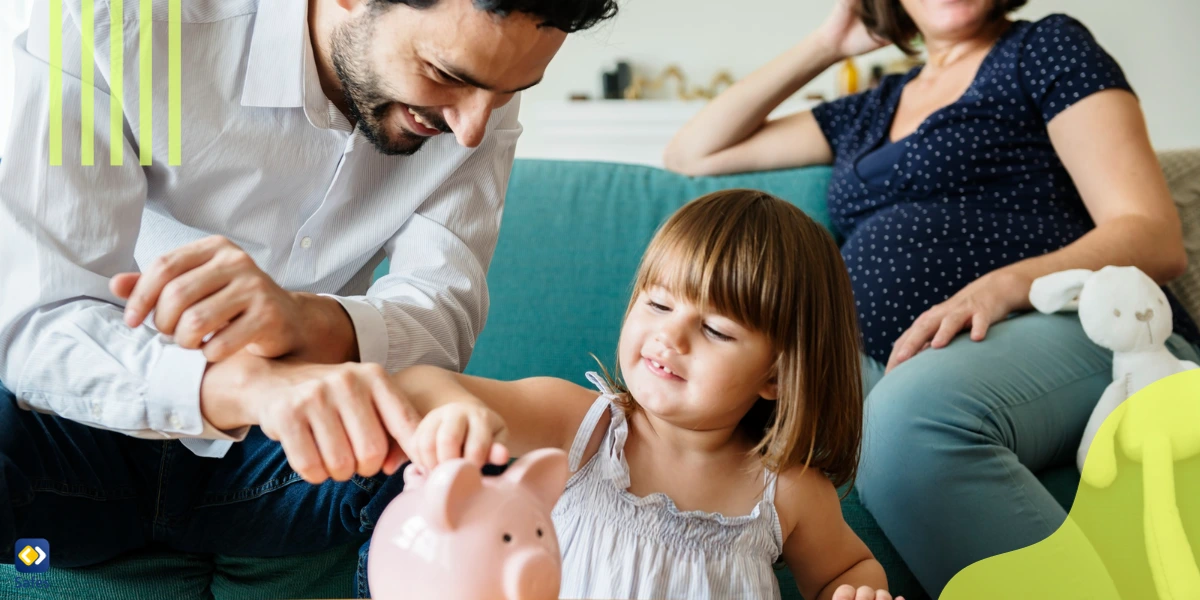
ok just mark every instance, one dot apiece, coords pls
pixel 1017 150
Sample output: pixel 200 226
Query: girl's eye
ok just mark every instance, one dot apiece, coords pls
pixel 656 306
pixel 717 334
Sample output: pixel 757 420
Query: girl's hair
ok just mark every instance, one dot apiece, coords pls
pixel 888 20
pixel 761 261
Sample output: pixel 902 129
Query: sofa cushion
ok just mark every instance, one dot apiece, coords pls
pixel 1182 170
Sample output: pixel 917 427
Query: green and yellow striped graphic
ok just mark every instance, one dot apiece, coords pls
pixel 87 133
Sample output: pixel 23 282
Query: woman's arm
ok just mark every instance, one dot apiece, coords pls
pixel 1103 143
pixel 825 556
pixel 731 134
pixel 539 412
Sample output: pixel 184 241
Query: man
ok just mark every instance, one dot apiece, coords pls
pixel 315 140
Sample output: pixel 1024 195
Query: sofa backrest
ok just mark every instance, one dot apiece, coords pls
pixel 1182 169
pixel 573 233
pixel 571 239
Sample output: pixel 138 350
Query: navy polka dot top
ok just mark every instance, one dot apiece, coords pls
pixel 976 187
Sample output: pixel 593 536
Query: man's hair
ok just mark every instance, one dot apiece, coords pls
pixel 567 15
pixel 888 20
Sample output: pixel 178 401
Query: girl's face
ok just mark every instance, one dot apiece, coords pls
pixel 952 19
pixel 695 370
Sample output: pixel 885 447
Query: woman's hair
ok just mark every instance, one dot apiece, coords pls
pixel 888 20
pixel 762 262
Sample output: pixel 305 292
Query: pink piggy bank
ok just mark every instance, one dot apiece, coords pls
pixel 456 535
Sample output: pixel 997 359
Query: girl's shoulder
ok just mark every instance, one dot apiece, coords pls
pixel 802 494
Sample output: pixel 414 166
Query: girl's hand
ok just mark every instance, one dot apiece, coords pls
pixel 459 430
pixel 848 592
pixel 844 33
pixel 985 301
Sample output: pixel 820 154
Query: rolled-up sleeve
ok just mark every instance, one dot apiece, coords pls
pixel 64 348
pixel 432 304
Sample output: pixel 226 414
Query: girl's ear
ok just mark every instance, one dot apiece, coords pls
pixel 770 389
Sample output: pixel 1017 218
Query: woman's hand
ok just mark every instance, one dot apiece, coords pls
pixel 985 301
pixel 849 592
pixel 844 33
pixel 459 430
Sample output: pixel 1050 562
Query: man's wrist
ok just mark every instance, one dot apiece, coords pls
pixel 225 398
pixel 327 335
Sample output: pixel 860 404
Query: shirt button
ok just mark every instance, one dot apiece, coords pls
pixel 175 422
pixel 96 410
pixel 306 242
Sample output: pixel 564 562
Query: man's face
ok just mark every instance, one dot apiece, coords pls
pixel 409 74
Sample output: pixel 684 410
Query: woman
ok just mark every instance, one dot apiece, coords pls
pixel 1017 150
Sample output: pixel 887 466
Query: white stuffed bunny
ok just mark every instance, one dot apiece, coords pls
pixel 1123 310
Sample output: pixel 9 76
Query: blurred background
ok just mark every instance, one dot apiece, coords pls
pixel 711 42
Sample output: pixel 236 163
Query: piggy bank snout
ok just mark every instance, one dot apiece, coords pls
pixel 532 574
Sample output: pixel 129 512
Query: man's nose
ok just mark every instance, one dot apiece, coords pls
pixel 471 117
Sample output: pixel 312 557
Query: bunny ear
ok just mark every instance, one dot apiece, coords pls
pixel 449 489
pixel 543 472
pixel 1058 291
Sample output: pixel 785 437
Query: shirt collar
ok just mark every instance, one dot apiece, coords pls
pixel 275 67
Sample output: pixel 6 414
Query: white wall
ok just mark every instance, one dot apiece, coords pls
pixel 1157 43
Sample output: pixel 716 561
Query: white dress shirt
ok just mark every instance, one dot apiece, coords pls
pixel 268 162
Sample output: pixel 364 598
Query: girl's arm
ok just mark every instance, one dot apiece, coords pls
pixel 539 412
pixel 824 555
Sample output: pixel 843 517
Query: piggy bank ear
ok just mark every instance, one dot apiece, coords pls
pixel 1058 291
pixel 543 472
pixel 448 491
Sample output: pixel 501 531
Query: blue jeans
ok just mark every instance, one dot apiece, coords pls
pixel 954 437
pixel 95 494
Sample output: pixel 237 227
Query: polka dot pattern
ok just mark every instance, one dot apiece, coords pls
pixel 976 187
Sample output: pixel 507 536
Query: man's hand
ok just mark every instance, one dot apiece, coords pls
pixel 210 295
pixel 332 420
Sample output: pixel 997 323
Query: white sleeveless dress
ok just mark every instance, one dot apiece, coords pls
pixel 617 545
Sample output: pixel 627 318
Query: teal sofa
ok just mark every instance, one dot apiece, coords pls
pixel 571 238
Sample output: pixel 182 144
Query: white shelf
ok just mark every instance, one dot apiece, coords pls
pixel 624 131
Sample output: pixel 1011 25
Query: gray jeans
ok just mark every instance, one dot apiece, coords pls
pixel 954 436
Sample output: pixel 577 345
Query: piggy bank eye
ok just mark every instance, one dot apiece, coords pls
pixel 507 538
pixel 1116 312
pixel 539 532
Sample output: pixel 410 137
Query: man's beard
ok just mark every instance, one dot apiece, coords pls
pixel 364 96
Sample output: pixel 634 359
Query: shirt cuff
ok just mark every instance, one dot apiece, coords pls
pixel 369 328
pixel 173 403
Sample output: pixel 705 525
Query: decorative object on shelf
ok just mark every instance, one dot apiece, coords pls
pixel 617 81
pixel 876 76
pixel 641 85
pixel 847 78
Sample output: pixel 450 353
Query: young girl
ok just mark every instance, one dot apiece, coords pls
pixel 740 412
